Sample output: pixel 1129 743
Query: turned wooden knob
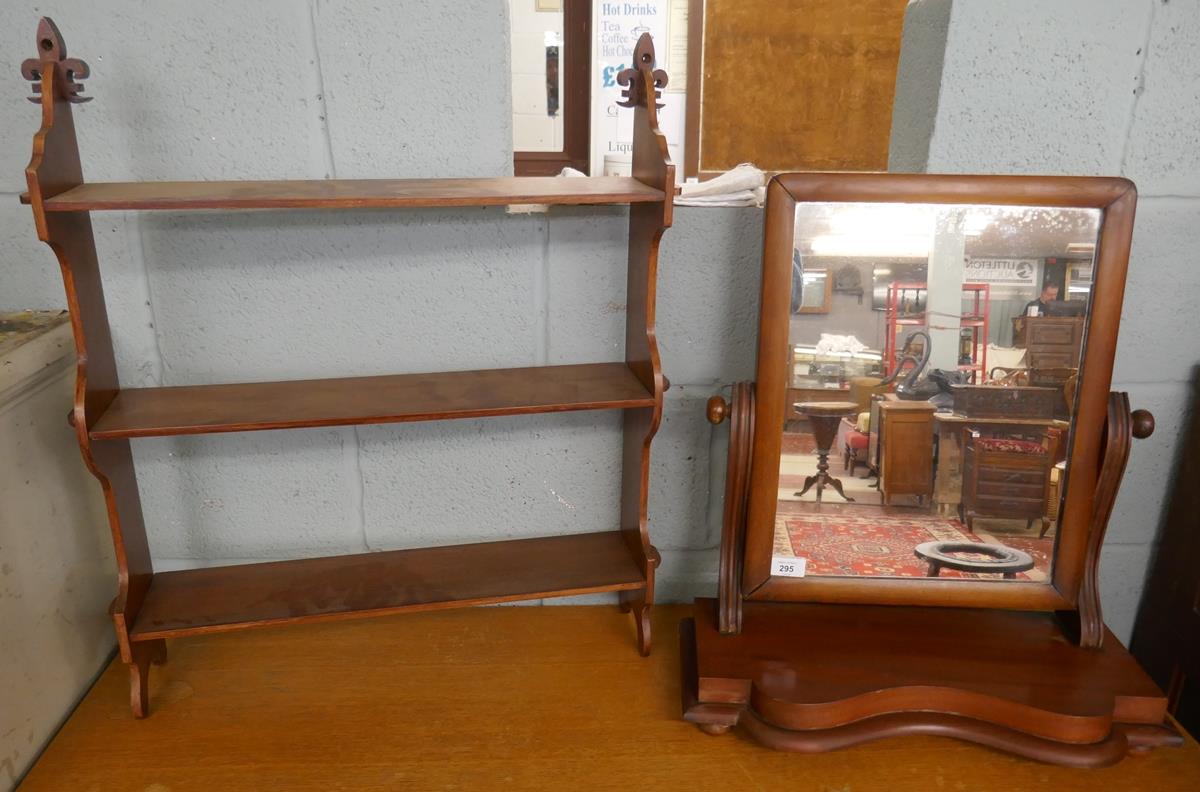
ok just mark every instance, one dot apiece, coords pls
pixel 717 410
pixel 666 383
pixel 71 417
pixel 1143 424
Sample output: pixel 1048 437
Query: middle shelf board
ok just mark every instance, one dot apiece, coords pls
pixel 396 398
pixel 352 193
pixel 218 599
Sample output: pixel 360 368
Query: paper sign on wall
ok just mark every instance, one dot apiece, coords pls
pixel 616 28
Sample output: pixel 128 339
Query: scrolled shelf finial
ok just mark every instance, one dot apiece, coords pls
pixel 52 53
pixel 634 88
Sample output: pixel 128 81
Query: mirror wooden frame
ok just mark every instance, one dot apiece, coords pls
pixel 1116 199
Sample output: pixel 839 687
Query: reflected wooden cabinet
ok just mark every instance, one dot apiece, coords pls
pixel 1006 478
pixel 905 440
pixel 1049 341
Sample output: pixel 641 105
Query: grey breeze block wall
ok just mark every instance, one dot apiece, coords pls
pixel 314 88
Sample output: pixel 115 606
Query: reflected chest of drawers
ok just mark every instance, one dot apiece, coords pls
pixel 905 449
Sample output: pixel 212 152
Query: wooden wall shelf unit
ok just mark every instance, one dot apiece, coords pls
pixel 1050 341
pixel 152 606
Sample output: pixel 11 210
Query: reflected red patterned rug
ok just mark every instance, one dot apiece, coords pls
pixel 875 545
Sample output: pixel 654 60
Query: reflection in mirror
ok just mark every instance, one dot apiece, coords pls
pixel 537 84
pixel 928 421
pixel 812 290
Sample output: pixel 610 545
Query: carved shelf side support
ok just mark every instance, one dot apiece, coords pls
pixel 55 168
pixel 651 165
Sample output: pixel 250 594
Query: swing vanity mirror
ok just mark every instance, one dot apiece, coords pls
pixel 917 447
pixel 919 480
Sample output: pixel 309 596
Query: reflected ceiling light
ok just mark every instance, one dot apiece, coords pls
pixel 975 223
pixel 872 245
pixel 883 219
pixel 877 230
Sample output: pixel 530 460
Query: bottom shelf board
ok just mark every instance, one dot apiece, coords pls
pixel 218 599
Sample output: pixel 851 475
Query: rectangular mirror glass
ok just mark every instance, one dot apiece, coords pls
pixel 927 422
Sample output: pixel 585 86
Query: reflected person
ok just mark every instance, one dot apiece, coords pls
pixel 1041 306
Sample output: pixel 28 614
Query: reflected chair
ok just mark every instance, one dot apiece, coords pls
pixel 854 447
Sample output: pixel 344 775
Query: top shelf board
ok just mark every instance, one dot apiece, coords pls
pixel 352 193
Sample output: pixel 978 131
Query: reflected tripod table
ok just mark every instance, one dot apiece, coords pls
pixel 824 417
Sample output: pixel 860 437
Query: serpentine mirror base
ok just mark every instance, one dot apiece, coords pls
pixel 807 677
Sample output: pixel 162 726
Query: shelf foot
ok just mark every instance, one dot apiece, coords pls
pixel 145 653
pixel 635 603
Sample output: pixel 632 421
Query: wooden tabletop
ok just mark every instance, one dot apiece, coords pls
pixel 552 698
pixel 833 408
pixel 916 405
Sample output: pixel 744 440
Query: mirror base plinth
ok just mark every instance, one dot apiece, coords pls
pixel 811 677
